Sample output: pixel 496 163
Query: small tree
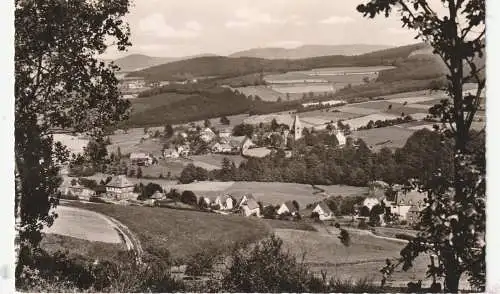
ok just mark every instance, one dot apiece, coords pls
pixel 168 131
pixel 188 197
pixel 224 120
pixel 207 123
pixel 139 172
pixel 296 205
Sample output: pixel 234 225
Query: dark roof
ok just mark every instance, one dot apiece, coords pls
pixel 119 182
pixel 290 206
pixel 252 204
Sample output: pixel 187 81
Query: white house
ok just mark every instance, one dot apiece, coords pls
pixel 341 138
pixel 225 202
pixel 287 207
pixel 170 153
pixel 120 188
pixel 324 212
pixel 246 144
pixel 245 199
pixel 370 202
pixel 207 135
pixel 183 150
pixel 251 207
pixel 140 158
pixel 225 133
pixel 221 148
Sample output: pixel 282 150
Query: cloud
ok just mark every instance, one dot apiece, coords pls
pixel 155 25
pixel 245 17
pixel 337 20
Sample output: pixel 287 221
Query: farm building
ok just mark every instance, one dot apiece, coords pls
pixel 225 133
pixel 250 208
pixel 207 135
pixel 225 202
pixel 370 202
pixel 142 159
pixel 68 188
pixel 287 207
pixel 170 153
pixel 221 148
pixel 324 212
pixel 245 199
pixel 120 188
pixel 404 201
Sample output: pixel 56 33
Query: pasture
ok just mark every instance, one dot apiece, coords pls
pixel 75 247
pixel 74 144
pixel 391 137
pixel 269 192
pixel 328 115
pixel 264 92
pixel 304 88
pixel 215 160
pixel 183 233
pixel 355 123
pixel 364 258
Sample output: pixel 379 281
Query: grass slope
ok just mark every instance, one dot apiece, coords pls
pixel 182 233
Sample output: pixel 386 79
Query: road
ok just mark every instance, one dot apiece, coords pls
pixel 92 226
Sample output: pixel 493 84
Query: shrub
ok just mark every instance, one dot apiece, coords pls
pixel 188 197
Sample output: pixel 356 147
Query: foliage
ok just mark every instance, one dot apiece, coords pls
pixel 168 132
pixel 453 223
pixel 193 173
pixel 188 197
pixel 385 123
pixel 60 84
pixel 224 120
pixel 243 130
pixel 145 192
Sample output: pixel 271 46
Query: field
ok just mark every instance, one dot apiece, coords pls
pixel 142 104
pixel 362 259
pixel 215 160
pixel 328 115
pixel 264 92
pixel 182 233
pixel 304 88
pixel 73 143
pixel 269 192
pixel 391 137
pixel 82 248
pixel 355 123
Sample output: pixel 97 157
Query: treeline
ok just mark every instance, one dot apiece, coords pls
pixel 386 123
pixel 206 103
pixel 317 160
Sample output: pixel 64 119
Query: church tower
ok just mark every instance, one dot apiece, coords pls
pixel 297 128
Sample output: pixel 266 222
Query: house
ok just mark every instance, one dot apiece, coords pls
pixel 236 142
pixel 183 150
pixel 225 202
pixel 250 208
pixel 221 148
pixel 245 199
pixel 246 144
pixel 225 133
pixel 377 189
pixel 120 188
pixel 403 202
pixel 170 153
pixel 413 215
pixel 370 202
pixel 75 189
pixel 158 196
pixel 207 135
pixel 340 138
pixel 287 207
pixel 324 212
pixel 142 159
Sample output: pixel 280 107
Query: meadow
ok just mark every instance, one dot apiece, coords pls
pixel 183 233
pixel 273 193
pixel 392 137
pixel 264 92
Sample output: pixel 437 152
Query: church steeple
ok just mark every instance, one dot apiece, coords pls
pixel 297 128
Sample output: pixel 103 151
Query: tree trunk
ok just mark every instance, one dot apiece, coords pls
pixel 451 281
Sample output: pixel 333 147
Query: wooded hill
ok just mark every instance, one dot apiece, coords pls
pixel 220 66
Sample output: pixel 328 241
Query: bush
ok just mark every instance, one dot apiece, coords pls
pixel 97 199
pixel 188 197
pixel 362 225
pixel 404 236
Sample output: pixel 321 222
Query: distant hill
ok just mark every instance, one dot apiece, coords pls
pixel 307 51
pixel 236 66
pixel 134 62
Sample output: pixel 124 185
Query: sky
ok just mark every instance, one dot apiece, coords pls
pixel 174 28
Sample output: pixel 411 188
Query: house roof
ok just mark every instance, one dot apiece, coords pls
pixel 139 155
pixel 252 204
pixel 289 205
pixel 120 181
pixel 158 195
pixel 325 208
